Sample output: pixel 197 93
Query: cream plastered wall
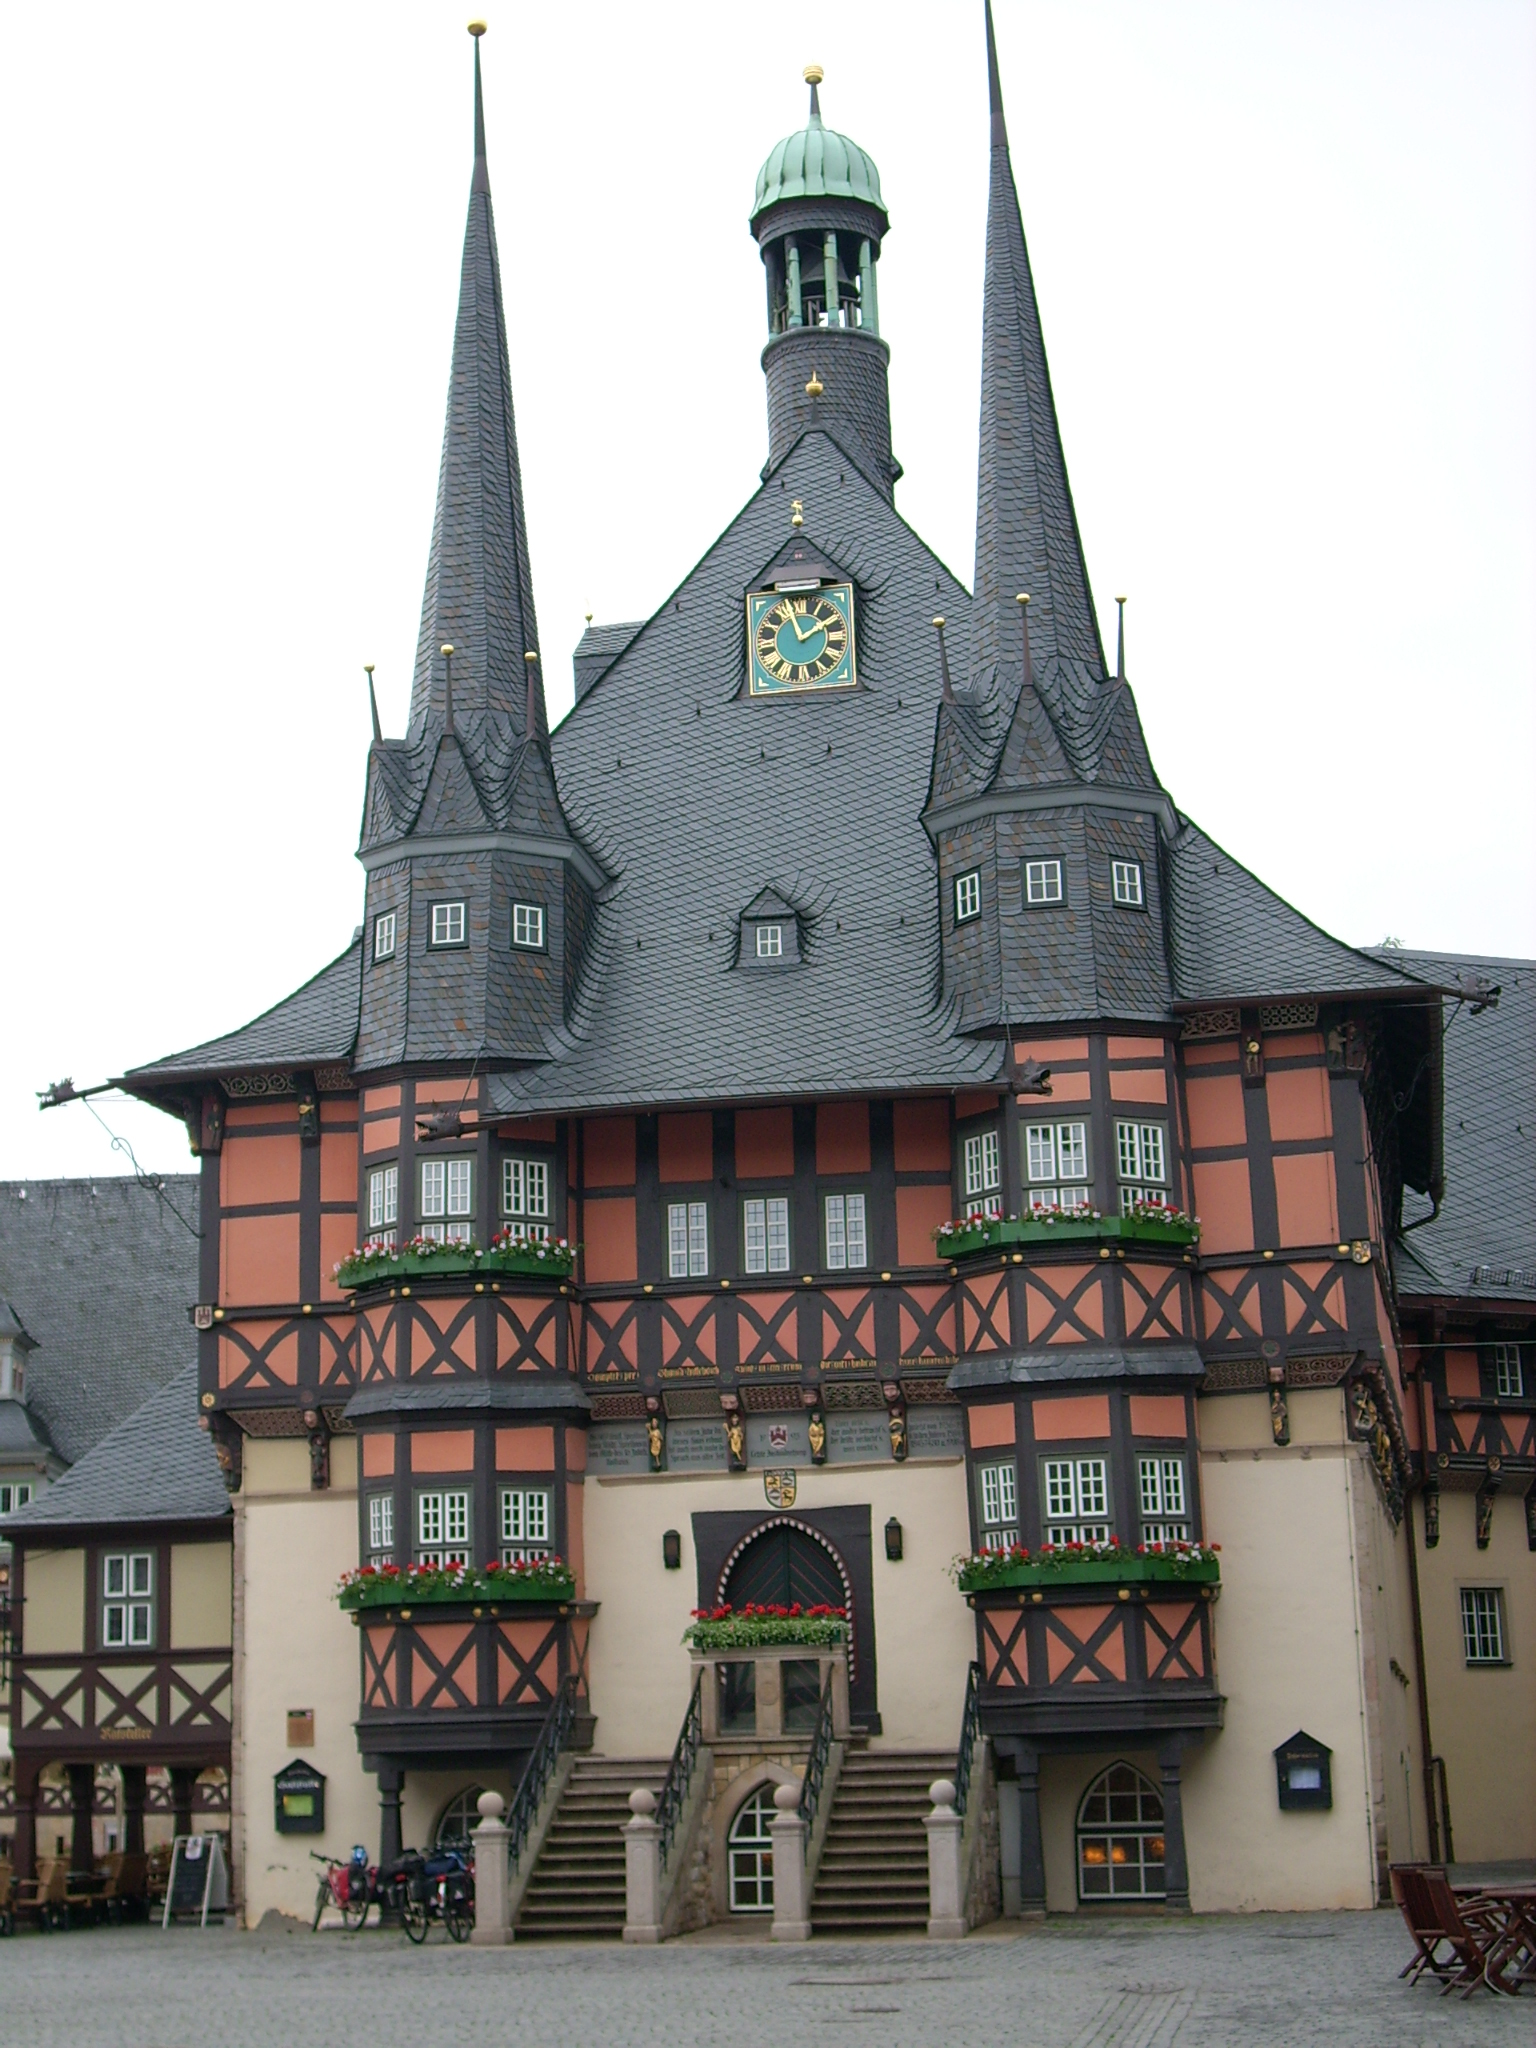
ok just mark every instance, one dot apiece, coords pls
pixel 925 1635
pixel 201 1595
pixel 53 1620
pixel 298 1651
pixel 1298 1622
pixel 1063 1781
pixel 426 1793
pixel 1482 1717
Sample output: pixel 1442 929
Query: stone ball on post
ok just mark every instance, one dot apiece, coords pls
pixel 491 1805
pixel 942 1792
pixel 787 1798
pixel 642 1803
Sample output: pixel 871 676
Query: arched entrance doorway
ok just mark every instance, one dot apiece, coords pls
pixel 784 1564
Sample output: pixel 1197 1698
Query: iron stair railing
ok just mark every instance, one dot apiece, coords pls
pixel 540 1768
pixel 685 1757
pixel 970 1728
pixel 816 1763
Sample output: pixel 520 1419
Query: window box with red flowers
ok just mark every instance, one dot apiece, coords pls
pixel 1089 1564
pixel 763 1628
pixel 510 1252
pixel 1149 1223
pixel 421 1585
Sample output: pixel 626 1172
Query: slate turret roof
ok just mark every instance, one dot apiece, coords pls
pixel 315 1026
pixel 156 1466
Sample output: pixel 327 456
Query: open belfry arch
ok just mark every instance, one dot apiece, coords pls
pixel 825 1037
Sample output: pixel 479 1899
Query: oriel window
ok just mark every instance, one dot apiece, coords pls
pixel 128 1599
pixel 982 1168
pixel 1056 1166
pixel 525 1524
pixel 847 1240
pixel 383 1204
pixel 765 1234
pixel 447 1200
pixel 1076 1500
pixel 1141 1157
pixel 525 1196
pixel 1164 1516
pixel 687 1240
pixel 997 1502
pixel 381 1528
pixel 442 1527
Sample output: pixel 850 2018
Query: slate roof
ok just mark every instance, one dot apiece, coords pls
pixel 22 1434
pixel 315 1026
pixel 157 1466
pixel 103 1274
pixel 596 649
pixel 1482 1245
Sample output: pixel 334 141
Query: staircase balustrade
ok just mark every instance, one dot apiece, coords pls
pixel 539 1769
pixel 816 1763
pixel 685 1756
pixel 970 1728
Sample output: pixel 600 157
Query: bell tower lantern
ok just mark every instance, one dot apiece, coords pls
pixel 819 221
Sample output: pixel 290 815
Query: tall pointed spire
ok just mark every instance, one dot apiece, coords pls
pixel 479 590
pixel 1026 528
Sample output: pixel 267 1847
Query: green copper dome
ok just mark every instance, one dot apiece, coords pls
pixel 817 163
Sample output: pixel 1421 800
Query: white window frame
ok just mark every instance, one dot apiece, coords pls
pixel 128 1600
pixel 527 1195
pixel 446 1204
pixel 1125 884
pixel 526 1520
pixel 997 1504
pixel 1074 1496
pixel 1163 1498
pixel 1056 1166
pixel 1484 1637
pixel 528 927
pixel 381 1526
pixel 444 1526
pixel 384 1204
pixel 845 1230
pixel 765 1233
pixel 1141 1161
pixel 981 1167
pixel 687 1240
pixel 385 934
pixel 1044 882
pixel 14 1494
pixel 450 924
pixel 968 896
pixel 770 942
pixel 1508 1373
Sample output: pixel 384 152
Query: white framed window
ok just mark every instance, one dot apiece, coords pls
pixel 448 924
pixel 1482 1624
pixel 384 928
pixel 1076 1499
pixel 525 1195
pixel 381 1526
pixel 1125 883
pixel 383 1204
pixel 765 1233
pixel 1141 1158
pixel 981 1161
pixel 1164 1514
pixel 525 1523
pixel 442 1526
pixel 687 1240
pixel 997 1498
pixel 1042 881
pixel 16 1495
pixel 528 926
pixel 128 1599
pixel 967 896
pixel 1508 1373
pixel 447 1204
pixel 770 942
pixel 750 1852
pixel 846 1234
pixel 1056 1165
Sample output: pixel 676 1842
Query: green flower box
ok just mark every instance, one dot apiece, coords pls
pixel 720 1629
pixel 552 1581
pixel 551 1262
pixel 1128 1570
pixel 999 1233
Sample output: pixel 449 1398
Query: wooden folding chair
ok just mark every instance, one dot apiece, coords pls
pixel 43 1895
pixel 1476 1931
pixel 1422 1924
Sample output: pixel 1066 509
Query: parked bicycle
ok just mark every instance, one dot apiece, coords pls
pixel 348 1886
pixel 421 1889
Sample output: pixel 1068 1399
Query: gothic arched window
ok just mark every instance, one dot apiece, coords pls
pixel 1120 1838
pixel 750 1854
pixel 460 1815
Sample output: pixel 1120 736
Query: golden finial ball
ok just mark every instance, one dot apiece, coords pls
pixel 939 622
pixel 813 74
pixel 530 655
pixel 447 648
pixel 367 668
pixel 477 29
pixel 1022 598
pixel 815 387
pixel 1119 600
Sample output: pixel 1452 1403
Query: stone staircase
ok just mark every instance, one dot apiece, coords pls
pixel 577 1887
pixel 873 1874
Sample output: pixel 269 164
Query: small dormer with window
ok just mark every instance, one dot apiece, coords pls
pixel 770 932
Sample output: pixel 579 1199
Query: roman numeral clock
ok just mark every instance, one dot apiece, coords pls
pixel 801 638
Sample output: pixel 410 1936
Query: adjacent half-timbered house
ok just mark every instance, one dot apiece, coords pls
pixel 962 1154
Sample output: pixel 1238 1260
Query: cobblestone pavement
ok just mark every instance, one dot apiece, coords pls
pixel 1269 1981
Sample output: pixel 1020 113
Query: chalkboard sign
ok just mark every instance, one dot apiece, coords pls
pixel 199 1879
pixel 298 1793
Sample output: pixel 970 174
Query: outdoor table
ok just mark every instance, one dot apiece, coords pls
pixel 1514 1907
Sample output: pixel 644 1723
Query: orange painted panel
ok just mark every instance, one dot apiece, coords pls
pixel 1042 1308
pixel 1299 1105
pixel 378 1454
pixel 1139 1084
pixel 1222 1203
pixel 1191 1651
pixel 765 1144
pixel 575 1547
pixel 338 1234
pixel 919 1212
pixel 1157 1415
pixel 532 1130
pixel 999 1671
pixel 980 1298
pixel 338 1168
pixel 1064 1088
pixel 990 1423
pixel 381 1098
pixel 976 1103
pixel 1297 1312
pixel 448 1089
pixel 1463 1382
pixel 1216 1111
pixel 524 1638
pixel 280 1359
pixel 1210 1053
pixel 1136 1048
pixel 1170 1313
pixel 1110 1653
pixel 575 1450
pixel 443 1450
pixel 336 1110
pixel 526 1450
pixel 690 1312
pixel 1465 1424
pixel 1219 1300
pixel 380 1692
pixel 685 1145
pixel 259 1170
pixel 834 1342
pixel 1305 1199
pixel 610 1238
pixel 259 1259
pixel 610 1152
pixel 382 1135
pixel 927 1299
pixel 842 1137
pixel 246 1117
pixel 1062 1418
pixel 1048 1051
pixel 922 1135
pixel 444 1640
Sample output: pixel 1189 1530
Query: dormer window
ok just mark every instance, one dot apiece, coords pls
pixel 770 942
pixel 770 932
pixel 528 926
pixel 384 929
pixel 1042 882
pixel 448 924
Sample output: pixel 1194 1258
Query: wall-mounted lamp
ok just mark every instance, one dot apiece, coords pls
pixel 672 1550
pixel 893 1540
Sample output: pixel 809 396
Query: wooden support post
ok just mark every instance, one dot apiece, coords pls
pixel 946 1882
pixel 183 1778
pixel 82 1799
pixel 791 1902
pixel 1026 1764
pixel 391 1785
pixel 1175 1862
pixel 133 1808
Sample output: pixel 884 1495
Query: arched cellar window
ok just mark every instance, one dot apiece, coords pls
pixel 457 1818
pixel 750 1854
pixel 1120 1838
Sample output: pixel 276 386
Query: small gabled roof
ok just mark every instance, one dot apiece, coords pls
pixel 315 1026
pixel 1233 940
pixel 768 903
pixel 158 1466
pixel 1482 1245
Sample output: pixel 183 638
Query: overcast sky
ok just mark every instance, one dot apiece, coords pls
pixel 1284 255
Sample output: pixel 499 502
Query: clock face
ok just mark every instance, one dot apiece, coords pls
pixel 801 639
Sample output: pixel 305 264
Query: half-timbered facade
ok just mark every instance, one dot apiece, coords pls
pixel 842 984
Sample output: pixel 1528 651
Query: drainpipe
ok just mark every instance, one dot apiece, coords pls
pixel 1426 1745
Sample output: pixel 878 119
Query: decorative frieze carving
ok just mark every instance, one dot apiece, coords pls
pixel 249 1087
